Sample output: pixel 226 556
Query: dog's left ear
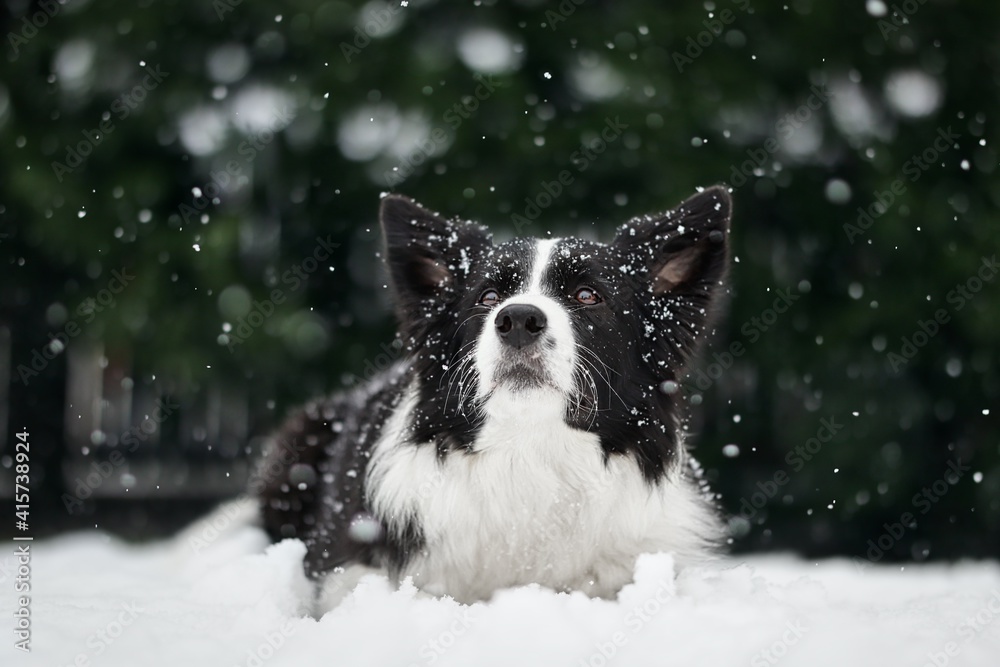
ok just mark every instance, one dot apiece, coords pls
pixel 428 257
pixel 685 250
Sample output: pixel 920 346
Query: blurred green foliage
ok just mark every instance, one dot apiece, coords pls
pixel 503 94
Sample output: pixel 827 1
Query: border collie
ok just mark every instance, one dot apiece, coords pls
pixel 532 431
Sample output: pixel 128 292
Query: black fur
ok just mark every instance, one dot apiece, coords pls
pixel 311 481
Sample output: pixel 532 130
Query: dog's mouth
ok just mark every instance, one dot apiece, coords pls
pixel 522 370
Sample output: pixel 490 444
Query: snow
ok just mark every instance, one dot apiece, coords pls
pixel 238 601
pixel 913 93
pixel 488 50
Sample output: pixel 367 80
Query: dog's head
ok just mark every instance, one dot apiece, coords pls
pixel 603 330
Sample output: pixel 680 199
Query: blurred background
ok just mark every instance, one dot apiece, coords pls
pixel 189 190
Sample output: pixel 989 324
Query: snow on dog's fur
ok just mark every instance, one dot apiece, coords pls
pixel 531 433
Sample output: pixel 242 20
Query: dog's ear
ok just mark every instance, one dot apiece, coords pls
pixel 428 257
pixel 684 251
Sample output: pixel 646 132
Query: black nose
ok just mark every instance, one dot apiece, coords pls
pixel 520 324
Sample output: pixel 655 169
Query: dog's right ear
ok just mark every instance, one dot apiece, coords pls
pixel 428 257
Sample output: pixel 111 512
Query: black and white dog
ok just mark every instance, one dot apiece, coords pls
pixel 532 432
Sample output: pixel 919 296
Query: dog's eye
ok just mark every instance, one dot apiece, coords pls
pixel 489 298
pixel 587 296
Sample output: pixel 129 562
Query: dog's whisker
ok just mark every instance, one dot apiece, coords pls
pixel 592 384
pixel 604 378
pixel 460 376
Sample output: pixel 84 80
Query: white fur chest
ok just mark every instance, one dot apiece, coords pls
pixel 534 503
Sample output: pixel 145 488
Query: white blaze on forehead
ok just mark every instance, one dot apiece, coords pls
pixel 543 253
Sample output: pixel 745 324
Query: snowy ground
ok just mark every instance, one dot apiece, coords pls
pixel 98 602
